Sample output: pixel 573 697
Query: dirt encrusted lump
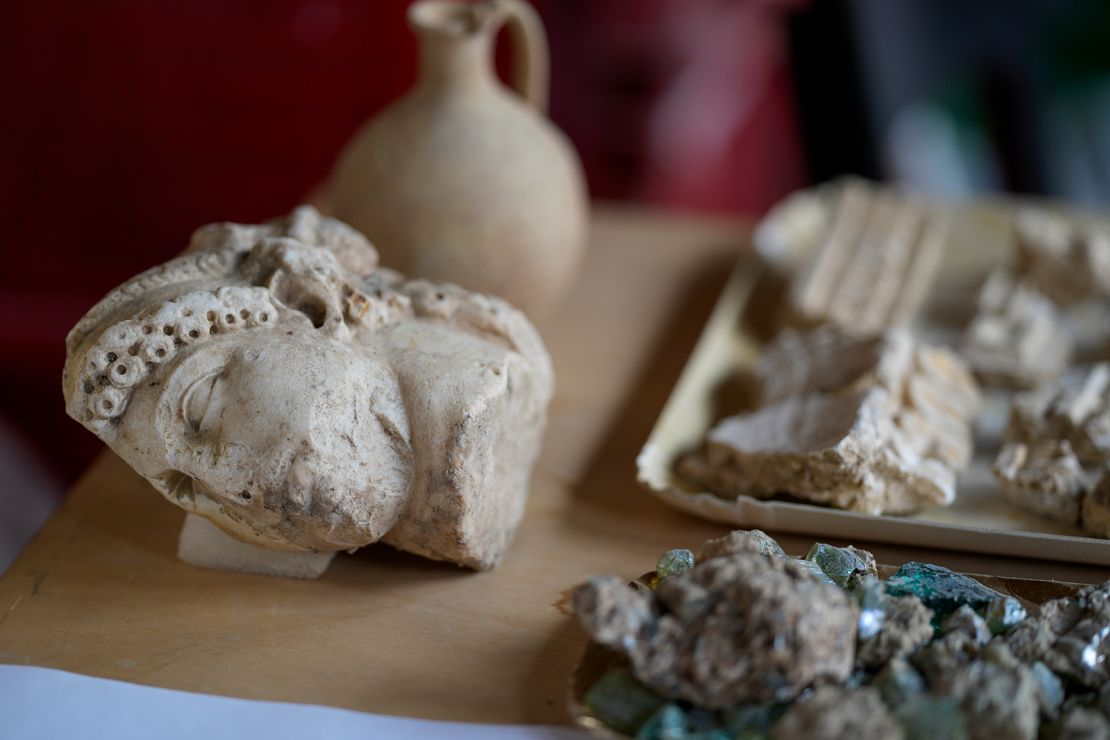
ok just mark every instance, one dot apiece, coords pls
pixel 746 642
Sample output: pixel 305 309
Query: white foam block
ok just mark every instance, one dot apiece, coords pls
pixel 204 544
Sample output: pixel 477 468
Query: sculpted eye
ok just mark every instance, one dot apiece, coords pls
pixel 197 403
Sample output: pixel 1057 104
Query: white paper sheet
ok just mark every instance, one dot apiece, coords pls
pixel 46 704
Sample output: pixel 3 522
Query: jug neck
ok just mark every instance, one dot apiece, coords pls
pixel 456 44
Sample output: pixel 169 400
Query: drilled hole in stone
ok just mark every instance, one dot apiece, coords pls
pixel 194 333
pixel 88 386
pixel 148 329
pixel 133 350
pixel 106 405
pixel 112 357
pixel 160 352
pixel 245 495
pixel 121 369
pixel 440 296
pixel 211 315
pixel 167 330
pixel 178 342
pixel 229 318
pixel 263 317
pixel 214 330
pixel 244 314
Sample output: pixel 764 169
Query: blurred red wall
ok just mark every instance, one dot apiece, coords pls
pixel 130 122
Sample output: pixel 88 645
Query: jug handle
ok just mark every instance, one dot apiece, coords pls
pixel 530 58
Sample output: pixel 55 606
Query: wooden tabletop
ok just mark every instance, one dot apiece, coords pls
pixel 100 591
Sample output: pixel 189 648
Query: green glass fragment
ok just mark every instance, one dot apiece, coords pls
pixel 765 543
pixel 621 702
pixel 942 590
pixel 668 723
pixel 898 682
pixel 752 720
pixel 928 718
pixel 1003 613
pixel 841 563
pixel 674 563
pixel 815 569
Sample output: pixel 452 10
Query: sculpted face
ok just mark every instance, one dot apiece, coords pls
pixel 300 404
pixel 276 432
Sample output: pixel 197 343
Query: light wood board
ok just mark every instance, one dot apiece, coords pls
pixel 99 591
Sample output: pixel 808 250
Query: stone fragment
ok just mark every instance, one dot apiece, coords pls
pixel 277 383
pixel 842 563
pixel 971 624
pixel 611 612
pixel 752 540
pixel 1081 723
pixel 945 655
pixel 868 424
pixel 1046 479
pixel 898 682
pixel 674 563
pixel 906 627
pixel 738 628
pixel 998 694
pixel 1017 339
pixel 941 589
pixel 1070 635
pixel 815 570
pixel 1067 257
pixel 1050 690
pixel 621 702
pixel 833 712
pixel 1076 408
pixel 927 717
pixel 877 261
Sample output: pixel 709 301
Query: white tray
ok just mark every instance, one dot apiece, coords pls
pixel 979 521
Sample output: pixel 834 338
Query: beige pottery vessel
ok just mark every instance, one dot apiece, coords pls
pixel 463 179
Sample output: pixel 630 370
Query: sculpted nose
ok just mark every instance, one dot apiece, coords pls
pixel 300 483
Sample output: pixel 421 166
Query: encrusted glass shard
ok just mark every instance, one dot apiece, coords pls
pixel 621 702
pixel 941 589
pixel 841 563
pixel 674 562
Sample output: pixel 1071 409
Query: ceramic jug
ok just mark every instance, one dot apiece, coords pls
pixel 463 179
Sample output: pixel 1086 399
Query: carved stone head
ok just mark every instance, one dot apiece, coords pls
pixel 275 381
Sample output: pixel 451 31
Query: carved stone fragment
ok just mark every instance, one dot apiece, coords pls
pixel 1066 257
pixel 876 263
pixel 1058 443
pixel 275 382
pixel 872 424
pixel 1017 339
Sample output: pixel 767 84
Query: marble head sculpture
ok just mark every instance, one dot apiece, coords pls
pixel 275 382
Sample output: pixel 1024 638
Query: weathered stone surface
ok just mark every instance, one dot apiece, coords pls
pixel 1070 635
pixel 862 423
pixel 1046 479
pixel 744 627
pixel 998 695
pixel 841 564
pixel 906 626
pixel 1058 443
pixel 971 624
pixel 1017 339
pixel 898 681
pixel 833 713
pixel 275 382
pixel 1067 257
